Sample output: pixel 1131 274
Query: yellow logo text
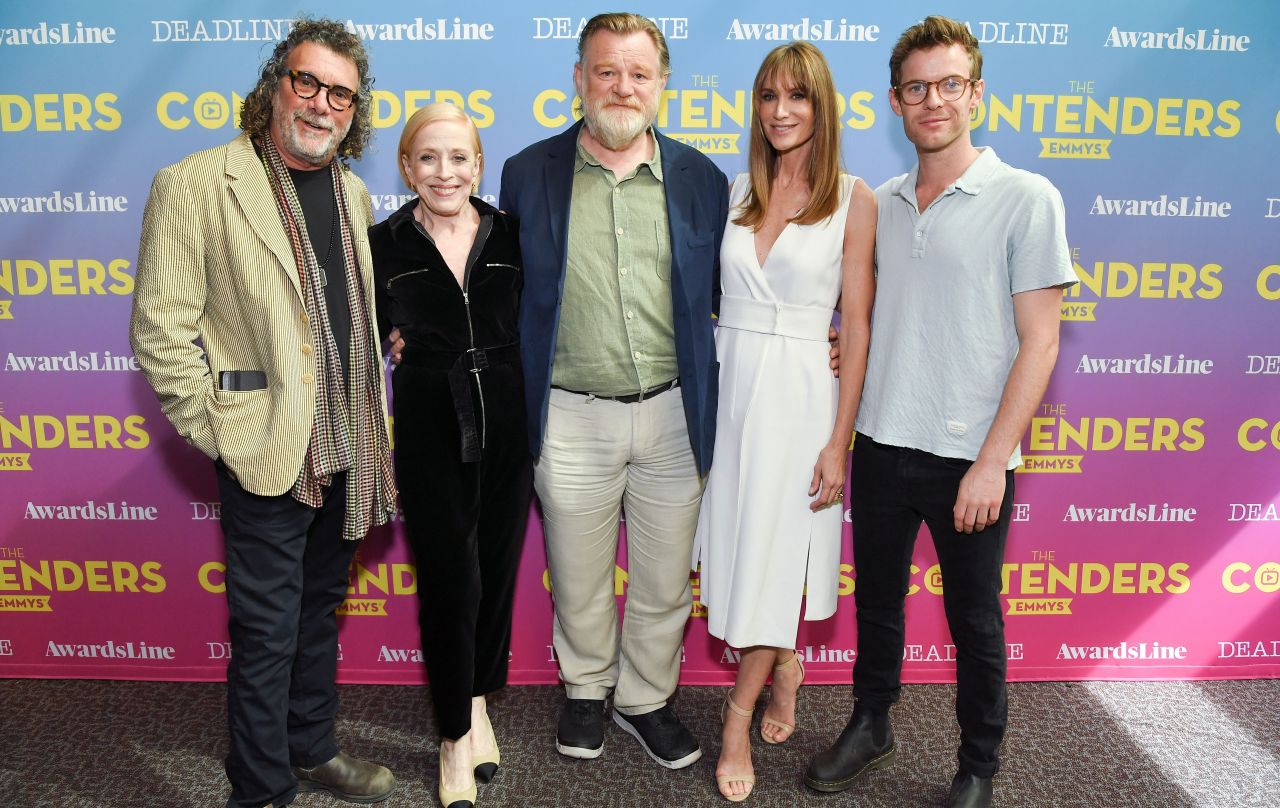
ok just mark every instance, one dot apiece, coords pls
pixel 1148 280
pixel 17 575
pixel 1241 577
pixel 74 432
pixel 59 112
pixel 65 276
pixel 1256 433
pixel 1102 434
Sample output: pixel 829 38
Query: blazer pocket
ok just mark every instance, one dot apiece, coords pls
pixel 238 419
pixel 697 253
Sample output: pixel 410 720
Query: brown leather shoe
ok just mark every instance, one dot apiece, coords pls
pixel 349 779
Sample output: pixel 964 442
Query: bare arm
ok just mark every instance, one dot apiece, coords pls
pixel 1036 315
pixel 858 287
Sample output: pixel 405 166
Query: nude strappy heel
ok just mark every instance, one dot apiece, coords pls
pixel 765 720
pixel 724 779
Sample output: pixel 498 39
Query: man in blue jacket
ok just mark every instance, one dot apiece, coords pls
pixel 620 231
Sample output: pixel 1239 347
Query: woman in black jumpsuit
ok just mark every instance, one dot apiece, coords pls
pixel 461 448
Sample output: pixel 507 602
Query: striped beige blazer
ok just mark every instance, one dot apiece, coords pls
pixel 217 289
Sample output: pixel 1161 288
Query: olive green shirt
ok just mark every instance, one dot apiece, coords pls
pixel 617 333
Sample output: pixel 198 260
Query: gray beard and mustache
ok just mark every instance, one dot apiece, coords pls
pixel 615 128
pixel 315 152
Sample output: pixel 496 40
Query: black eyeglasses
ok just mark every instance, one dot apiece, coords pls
pixel 949 89
pixel 306 85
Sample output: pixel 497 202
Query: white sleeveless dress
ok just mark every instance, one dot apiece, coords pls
pixel 759 544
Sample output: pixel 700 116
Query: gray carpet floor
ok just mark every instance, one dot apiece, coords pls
pixel 90 744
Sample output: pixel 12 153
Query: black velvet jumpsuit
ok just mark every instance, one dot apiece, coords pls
pixel 461 447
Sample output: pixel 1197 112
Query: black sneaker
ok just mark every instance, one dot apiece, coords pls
pixel 581 730
pixel 662 736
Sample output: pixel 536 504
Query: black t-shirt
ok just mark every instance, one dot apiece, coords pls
pixel 320 209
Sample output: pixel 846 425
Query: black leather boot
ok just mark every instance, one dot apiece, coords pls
pixel 866 745
pixel 969 791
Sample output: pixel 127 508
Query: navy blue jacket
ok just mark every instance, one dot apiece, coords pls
pixel 536 185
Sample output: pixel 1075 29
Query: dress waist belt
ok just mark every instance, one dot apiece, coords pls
pixel 463 367
pixel 783 319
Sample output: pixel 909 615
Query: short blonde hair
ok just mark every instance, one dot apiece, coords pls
pixel 439 111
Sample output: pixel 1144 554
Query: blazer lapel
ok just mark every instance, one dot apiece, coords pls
pixel 558 181
pixel 248 181
pixel 680 219
pixel 356 217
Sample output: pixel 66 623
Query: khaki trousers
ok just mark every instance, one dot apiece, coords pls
pixel 598 458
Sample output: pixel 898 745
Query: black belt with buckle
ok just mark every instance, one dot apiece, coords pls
pixel 462 367
pixel 629 398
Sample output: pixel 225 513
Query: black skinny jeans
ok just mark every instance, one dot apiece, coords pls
pixel 892 491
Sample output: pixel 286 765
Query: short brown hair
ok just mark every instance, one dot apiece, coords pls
pixel 621 23
pixel 439 111
pixel 255 114
pixel 932 32
pixel 804 66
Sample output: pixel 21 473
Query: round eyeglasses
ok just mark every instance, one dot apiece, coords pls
pixel 949 89
pixel 306 85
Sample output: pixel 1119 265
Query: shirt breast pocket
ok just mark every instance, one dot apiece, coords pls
pixel 662 262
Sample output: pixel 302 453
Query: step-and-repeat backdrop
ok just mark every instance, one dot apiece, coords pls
pixel 1148 511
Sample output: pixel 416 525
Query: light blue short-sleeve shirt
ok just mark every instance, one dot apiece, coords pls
pixel 942 329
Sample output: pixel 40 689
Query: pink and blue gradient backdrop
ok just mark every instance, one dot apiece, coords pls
pixel 1197 124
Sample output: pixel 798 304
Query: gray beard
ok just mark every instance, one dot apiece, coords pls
pixel 615 133
pixel 305 150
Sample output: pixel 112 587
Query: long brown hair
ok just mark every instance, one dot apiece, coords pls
pixel 806 67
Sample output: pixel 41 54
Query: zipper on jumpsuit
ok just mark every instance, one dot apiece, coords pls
pixel 482 235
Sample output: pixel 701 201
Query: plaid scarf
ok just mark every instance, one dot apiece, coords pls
pixel 345 434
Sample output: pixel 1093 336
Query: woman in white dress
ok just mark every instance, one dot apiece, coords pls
pixel 799 241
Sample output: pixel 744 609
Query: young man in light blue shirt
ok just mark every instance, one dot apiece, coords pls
pixel 971 263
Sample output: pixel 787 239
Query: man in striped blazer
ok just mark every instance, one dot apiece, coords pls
pixel 253 320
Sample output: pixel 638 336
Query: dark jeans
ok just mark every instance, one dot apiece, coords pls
pixel 892 490
pixel 286 576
